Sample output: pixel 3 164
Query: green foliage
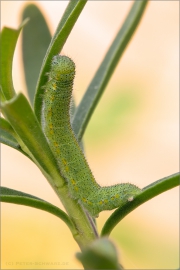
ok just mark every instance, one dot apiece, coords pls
pixel 18 197
pixel 147 193
pixel 22 119
pixel 39 39
pixel 21 130
pixel 105 70
pixel 8 40
pixel 63 30
pixel 8 136
pixel 101 254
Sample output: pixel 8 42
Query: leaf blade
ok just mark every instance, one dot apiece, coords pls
pixel 63 30
pixel 8 136
pixel 147 193
pixel 103 75
pixel 17 197
pixel 8 40
pixel 36 33
pixel 21 117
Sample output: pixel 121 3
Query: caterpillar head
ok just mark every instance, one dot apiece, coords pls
pixel 62 68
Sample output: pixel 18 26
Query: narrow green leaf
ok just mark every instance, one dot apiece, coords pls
pixel 100 254
pixel 17 197
pixel 147 193
pixel 21 117
pixel 2 96
pixel 103 75
pixel 35 41
pixel 7 136
pixel 63 30
pixel 8 40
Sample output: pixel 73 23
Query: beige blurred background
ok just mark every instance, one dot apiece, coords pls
pixel 132 137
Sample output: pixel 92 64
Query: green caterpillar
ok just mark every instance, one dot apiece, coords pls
pixel 70 158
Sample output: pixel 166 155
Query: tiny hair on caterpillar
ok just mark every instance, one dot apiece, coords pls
pixel 55 121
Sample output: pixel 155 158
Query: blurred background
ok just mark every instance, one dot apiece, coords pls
pixel 132 137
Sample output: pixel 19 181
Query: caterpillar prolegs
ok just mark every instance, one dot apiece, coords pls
pixel 70 158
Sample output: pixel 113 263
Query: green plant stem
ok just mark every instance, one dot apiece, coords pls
pixel 147 193
pixel 86 232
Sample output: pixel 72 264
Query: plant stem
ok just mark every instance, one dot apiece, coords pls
pixel 85 230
